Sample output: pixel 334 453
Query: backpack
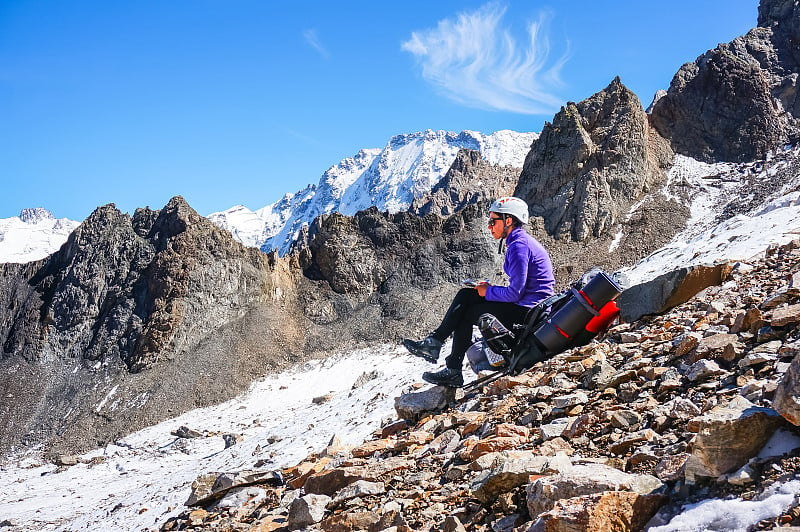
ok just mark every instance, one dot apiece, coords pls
pixel 571 318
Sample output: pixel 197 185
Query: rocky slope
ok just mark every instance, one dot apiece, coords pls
pixel 666 410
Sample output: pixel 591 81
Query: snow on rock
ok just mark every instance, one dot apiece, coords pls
pixel 389 178
pixel 732 515
pixel 33 235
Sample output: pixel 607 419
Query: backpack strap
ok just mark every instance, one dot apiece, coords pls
pixel 535 314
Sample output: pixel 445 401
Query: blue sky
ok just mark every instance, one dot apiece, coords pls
pixel 231 102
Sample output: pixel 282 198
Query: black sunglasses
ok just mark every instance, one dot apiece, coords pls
pixel 492 221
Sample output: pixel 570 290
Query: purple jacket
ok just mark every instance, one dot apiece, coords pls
pixel 530 273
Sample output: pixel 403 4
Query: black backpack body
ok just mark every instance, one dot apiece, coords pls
pixel 568 319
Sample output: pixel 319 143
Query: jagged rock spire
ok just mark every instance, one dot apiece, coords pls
pixel 591 163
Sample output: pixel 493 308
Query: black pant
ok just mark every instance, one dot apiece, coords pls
pixel 464 312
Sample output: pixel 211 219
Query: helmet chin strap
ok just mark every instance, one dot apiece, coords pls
pixel 503 237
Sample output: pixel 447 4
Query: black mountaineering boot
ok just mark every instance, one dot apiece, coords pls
pixel 446 377
pixel 428 348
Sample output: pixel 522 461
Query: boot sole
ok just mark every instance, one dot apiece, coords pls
pixel 445 384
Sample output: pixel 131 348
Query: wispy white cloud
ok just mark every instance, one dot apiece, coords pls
pixel 474 60
pixel 312 39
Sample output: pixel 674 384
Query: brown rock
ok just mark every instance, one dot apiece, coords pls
pixel 495 444
pixel 330 481
pixel 417 437
pixel 506 476
pixel 602 512
pixel 628 441
pixel 556 446
pixel 746 320
pixel 371 447
pixel 196 517
pixel 670 468
pixel 785 315
pixel 669 290
pixel 453 524
pixel 584 479
pixel 345 522
pixel 271 523
pixel 511 430
pixel 298 474
pixel 728 436
pixel 393 428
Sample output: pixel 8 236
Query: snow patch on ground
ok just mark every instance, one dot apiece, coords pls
pixel 706 241
pixel 140 481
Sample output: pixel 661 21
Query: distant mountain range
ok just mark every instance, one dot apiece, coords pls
pixel 32 235
pixel 389 178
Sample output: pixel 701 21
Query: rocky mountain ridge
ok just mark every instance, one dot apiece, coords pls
pixel 738 101
pixel 123 295
pixel 592 163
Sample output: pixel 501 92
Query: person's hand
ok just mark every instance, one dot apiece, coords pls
pixel 481 288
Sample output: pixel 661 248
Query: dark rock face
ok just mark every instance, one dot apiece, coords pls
pixel 386 275
pixel 469 180
pixel 137 319
pixel 591 164
pixel 118 288
pixel 739 100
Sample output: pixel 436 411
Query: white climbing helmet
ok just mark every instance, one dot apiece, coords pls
pixel 511 205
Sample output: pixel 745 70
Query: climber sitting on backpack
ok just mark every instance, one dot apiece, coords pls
pixel 530 275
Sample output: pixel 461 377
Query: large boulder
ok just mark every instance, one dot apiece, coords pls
pixel 669 290
pixel 787 395
pixel 508 475
pixel 728 436
pixel 414 405
pixel 600 512
pixel 586 479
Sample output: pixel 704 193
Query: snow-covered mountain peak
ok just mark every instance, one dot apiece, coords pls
pixel 37 214
pixel 33 235
pixel 389 178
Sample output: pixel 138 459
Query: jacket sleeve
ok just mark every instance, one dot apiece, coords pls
pixel 517 271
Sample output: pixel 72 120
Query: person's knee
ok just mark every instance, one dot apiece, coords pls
pixel 464 293
pixel 467 296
